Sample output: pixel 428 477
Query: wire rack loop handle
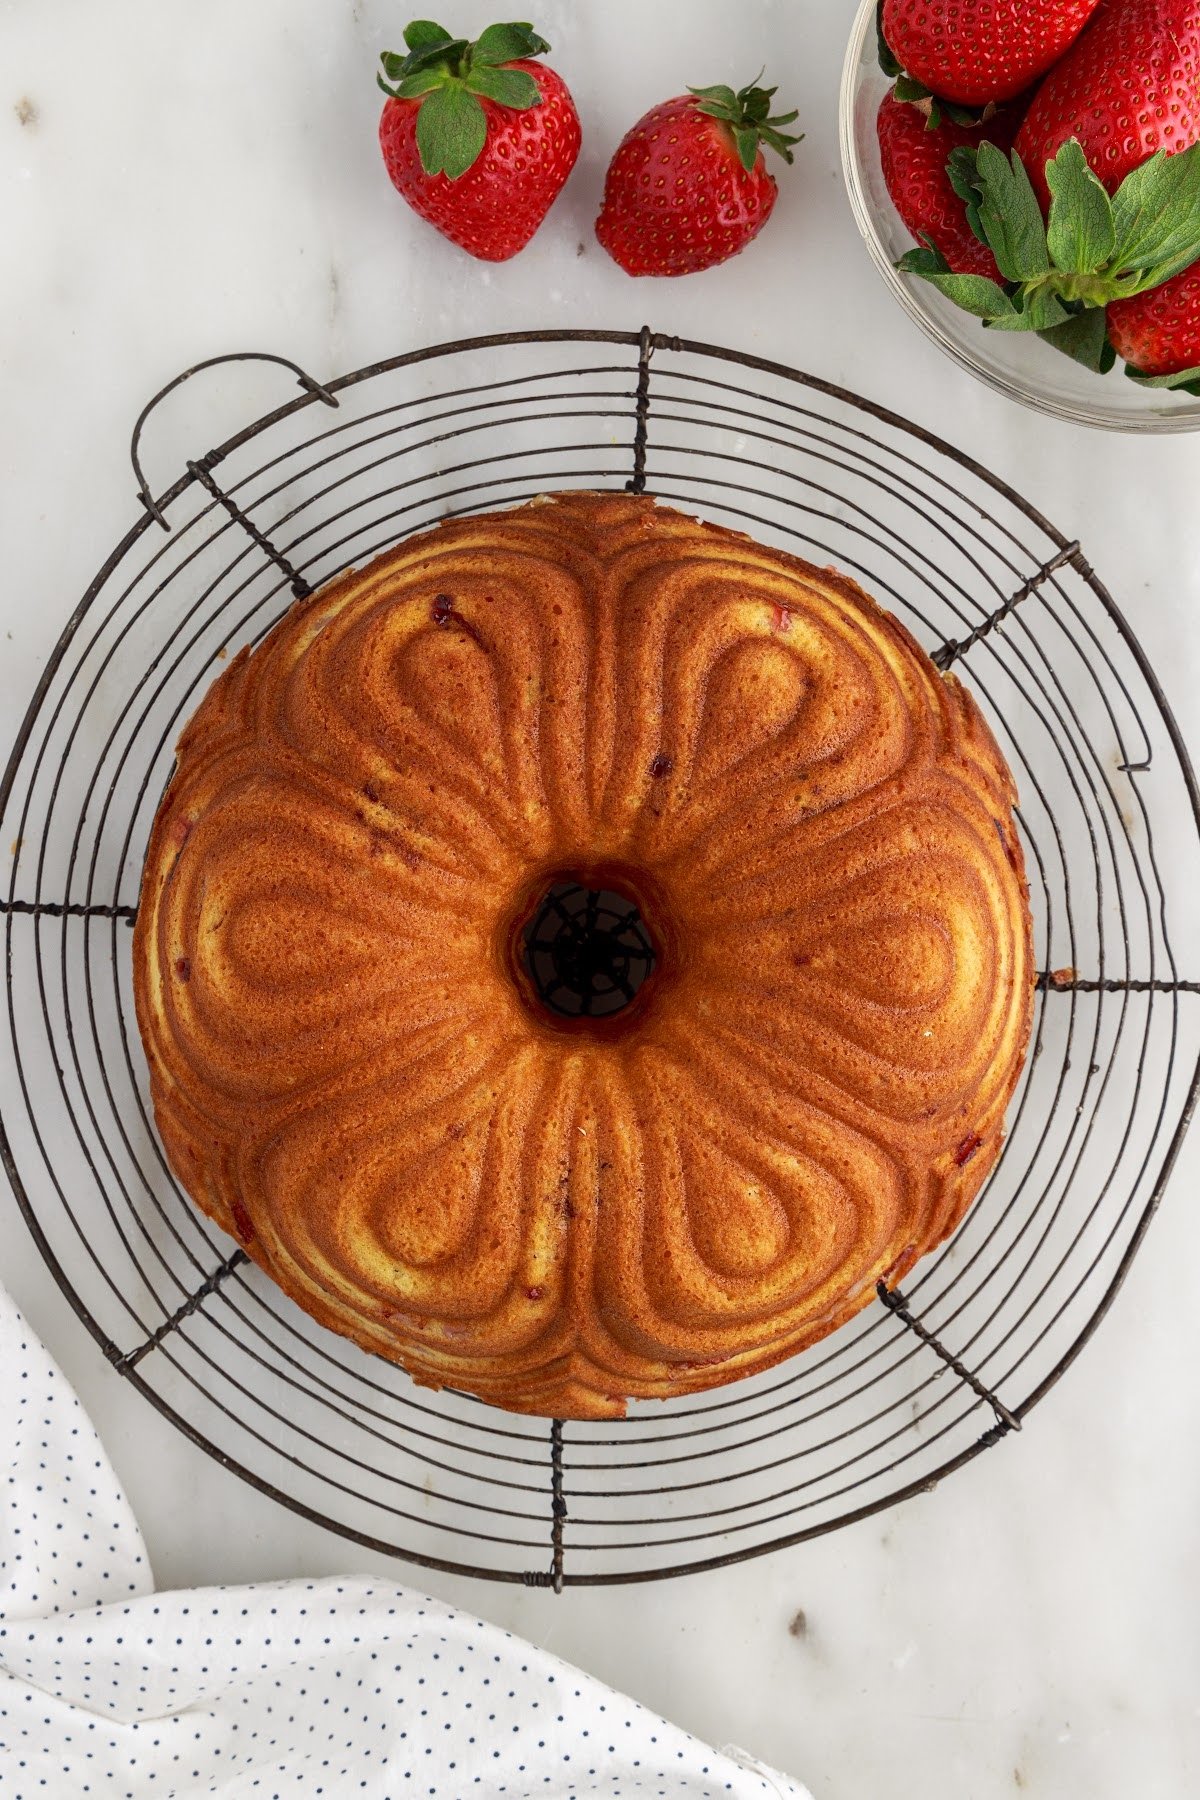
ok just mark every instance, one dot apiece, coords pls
pixel 307 382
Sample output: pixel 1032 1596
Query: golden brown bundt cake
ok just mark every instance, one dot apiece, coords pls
pixel 341 954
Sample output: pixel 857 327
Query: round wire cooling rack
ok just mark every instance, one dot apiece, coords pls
pixel 1110 817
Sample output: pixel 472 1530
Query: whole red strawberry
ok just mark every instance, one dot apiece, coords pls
pixel 975 51
pixel 914 160
pixel 688 186
pixel 1128 87
pixel 1158 332
pixel 477 137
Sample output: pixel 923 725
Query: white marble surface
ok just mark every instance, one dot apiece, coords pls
pixel 181 180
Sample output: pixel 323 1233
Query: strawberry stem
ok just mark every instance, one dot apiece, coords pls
pixel 748 115
pixel 448 77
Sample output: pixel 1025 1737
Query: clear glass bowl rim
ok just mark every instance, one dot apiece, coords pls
pixel 1180 417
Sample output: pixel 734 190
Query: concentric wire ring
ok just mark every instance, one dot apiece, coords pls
pixel 1111 823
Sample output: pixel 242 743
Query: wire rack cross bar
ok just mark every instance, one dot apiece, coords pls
pixel 69 909
pixel 202 470
pixel 1066 981
pixel 130 1358
pixel 554 1576
pixel 648 342
pixel 637 482
pixel 953 648
pixel 896 1303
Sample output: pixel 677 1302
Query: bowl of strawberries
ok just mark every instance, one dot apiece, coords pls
pixel 1026 176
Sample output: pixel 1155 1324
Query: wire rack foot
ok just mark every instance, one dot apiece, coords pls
pixel 553 1577
pixel 126 1360
pixel 202 470
pixel 953 648
pixel 896 1303
pixel 648 342
pixel 68 909
pixel 1066 981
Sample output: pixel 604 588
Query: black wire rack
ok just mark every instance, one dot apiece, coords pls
pixel 587 951
pixel 1110 816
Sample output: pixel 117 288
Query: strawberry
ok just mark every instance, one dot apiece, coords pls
pixel 915 160
pixel 1094 250
pixel 688 186
pixel 1158 332
pixel 976 51
pixel 1128 87
pixel 478 137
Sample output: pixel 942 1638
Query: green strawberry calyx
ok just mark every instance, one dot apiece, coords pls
pixel 747 113
pixel 449 77
pixel 1059 273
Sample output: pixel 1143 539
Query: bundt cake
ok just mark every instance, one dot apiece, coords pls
pixel 580 954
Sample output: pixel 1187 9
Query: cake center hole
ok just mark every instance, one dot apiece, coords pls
pixel 587 950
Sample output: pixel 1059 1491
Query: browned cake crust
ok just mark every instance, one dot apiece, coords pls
pixel 805 1097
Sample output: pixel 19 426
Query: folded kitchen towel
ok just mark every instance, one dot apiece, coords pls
pixel 298 1688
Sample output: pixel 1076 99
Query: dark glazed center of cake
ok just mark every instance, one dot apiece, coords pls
pixel 586 950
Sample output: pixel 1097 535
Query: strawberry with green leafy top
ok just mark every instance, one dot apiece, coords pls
pixel 915 156
pixel 974 52
pixel 688 185
pixel 1059 274
pixel 478 137
pixel 1158 333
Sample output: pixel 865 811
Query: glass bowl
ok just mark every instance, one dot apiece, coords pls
pixel 1020 366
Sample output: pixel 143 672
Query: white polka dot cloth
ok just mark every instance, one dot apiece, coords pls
pixel 347 1688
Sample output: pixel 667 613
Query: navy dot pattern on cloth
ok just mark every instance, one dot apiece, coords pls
pixel 350 1689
